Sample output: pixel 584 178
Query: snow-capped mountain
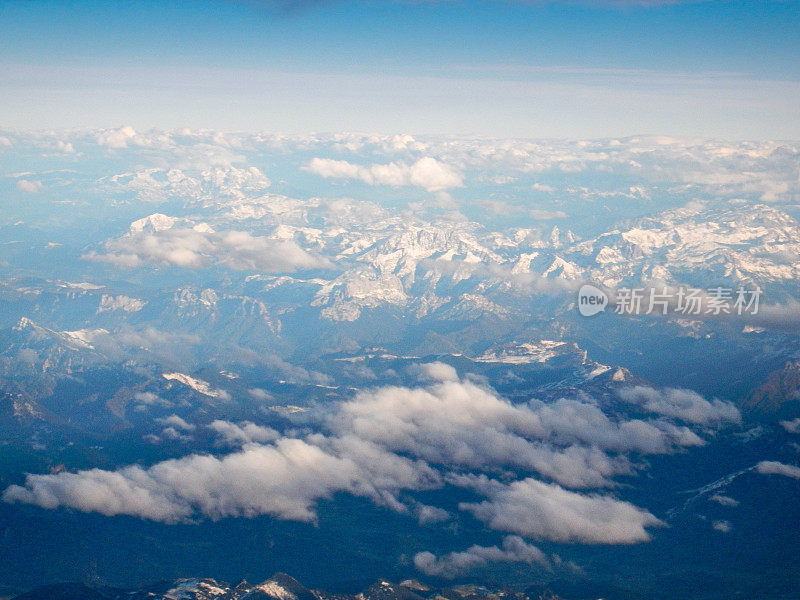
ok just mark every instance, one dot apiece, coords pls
pixel 355 357
pixel 278 587
pixel 422 268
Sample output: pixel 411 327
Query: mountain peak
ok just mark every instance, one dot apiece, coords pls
pixel 280 587
pixel 153 223
pixel 780 387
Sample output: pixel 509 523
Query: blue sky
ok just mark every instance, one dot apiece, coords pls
pixel 530 69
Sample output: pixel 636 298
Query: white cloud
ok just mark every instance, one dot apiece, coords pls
pixel 461 423
pixel 722 526
pixel 146 397
pixel 193 249
pixel 500 208
pixel 283 480
pixel 116 138
pixel 170 433
pixel 792 426
pixel 233 434
pixel 436 371
pixel 29 187
pixel 427 514
pixel 176 422
pixel 457 564
pixel 771 467
pixel 386 441
pixel 65 147
pixel 685 405
pixel 427 173
pixel 259 394
pixel 539 510
pixel 543 215
pixel 150 399
pixel 724 500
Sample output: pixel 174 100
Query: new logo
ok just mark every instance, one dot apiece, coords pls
pixel 591 300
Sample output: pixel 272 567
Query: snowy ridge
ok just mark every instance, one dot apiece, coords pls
pixel 198 385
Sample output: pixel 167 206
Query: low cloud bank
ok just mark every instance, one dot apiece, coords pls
pixel 388 443
pixel 457 564
pixel 427 173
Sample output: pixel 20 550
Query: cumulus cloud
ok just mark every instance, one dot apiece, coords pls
pixel 792 426
pixel 435 371
pixel 724 500
pixel 176 422
pixel 461 423
pixel 427 172
pixel 284 480
pixel 539 510
pixel 771 467
pixel 29 187
pixel 686 405
pixel 150 399
pixel 193 249
pixel 233 434
pixel 457 564
pixel 146 397
pixel 169 433
pixel 116 138
pixel 427 514
pixel 259 394
pixel 382 442
pixel 722 526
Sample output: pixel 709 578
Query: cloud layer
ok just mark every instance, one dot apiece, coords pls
pixel 457 564
pixel 427 172
pixel 282 480
pixel 461 423
pixel 771 467
pixel 390 442
pixel 196 249
pixel 685 405
pixel 539 510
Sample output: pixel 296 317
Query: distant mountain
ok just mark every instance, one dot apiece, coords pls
pixel 73 591
pixel 424 287
pixel 780 390
pixel 278 587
